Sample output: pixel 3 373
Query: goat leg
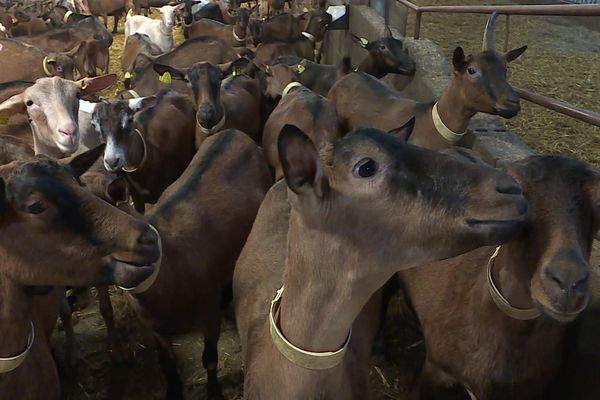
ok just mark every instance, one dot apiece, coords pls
pixel 210 360
pixel 116 23
pixel 168 365
pixel 117 353
pixel 67 322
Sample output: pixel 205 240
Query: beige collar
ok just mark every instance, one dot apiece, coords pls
pixel 67 15
pixel 133 169
pixel 11 363
pixel 236 37
pixel 523 314
pixel 145 285
pixel 133 93
pixel 442 129
pixel 45 66
pixel 309 36
pixel 302 358
pixel 214 129
pixel 289 87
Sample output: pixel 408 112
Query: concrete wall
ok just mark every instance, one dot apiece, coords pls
pixel 487 134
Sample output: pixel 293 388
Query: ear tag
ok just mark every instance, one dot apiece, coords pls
pixel 305 9
pixel 165 78
pixel 301 69
pixel 363 42
pixel 14 20
pixel 267 68
pixel 234 72
pixel 128 75
pixel 3 120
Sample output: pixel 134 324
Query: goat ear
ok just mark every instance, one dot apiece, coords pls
pixel 175 73
pixel 139 103
pixel 14 105
pixel 82 162
pixel 299 160
pixel 459 60
pixel 92 85
pixel 118 191
pixel 234 67
pixel 514 54
pixel 404 132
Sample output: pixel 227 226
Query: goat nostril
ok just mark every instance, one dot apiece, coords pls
pixel 148 237
pixel 509 186
pixel 581 282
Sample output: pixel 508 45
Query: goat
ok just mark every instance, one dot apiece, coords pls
pixel 52 105
pixel 203 48
pixel 16 125
pixel 208 10
pixel 315 237
pixel 160 32
pixel 31 63
pixel 13 148
pixel 106 8
pixel 213 202
pixel 479 84
pixel 138 5
pixel 235 35
pixel 152 146
pixel 62 17
pixel 286 27
pixel 505 324
pixel 43 201
pixel 235 102
pixel 138 52
pixel 27 25
pixel 308 111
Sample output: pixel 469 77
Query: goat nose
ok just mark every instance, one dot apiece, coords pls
pixel 148 237
pixel 68 129
pixel 568 280
pixel 113 162
pixel 507 185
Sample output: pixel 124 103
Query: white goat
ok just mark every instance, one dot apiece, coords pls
pixel 160 31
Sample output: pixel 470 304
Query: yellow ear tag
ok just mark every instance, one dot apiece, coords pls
pixel 301 69
pixel 267 68
pixel 165 78
pixel 128 75
pixel 3 120
pixel 14 20
pixel 305 9
pixel 363 42
pixel 234 72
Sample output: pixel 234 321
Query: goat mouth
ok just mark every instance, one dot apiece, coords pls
pixel 130 275
pixel 559 316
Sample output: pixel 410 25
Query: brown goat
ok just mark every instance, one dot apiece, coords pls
pixel 82 240
pixel 61 17
pixel 30 63
pixel 15 124
pixel 235 35
pixel 13 148
pixel 479 84
pixel 145 82
pixel 139 51
pixel 287 27
pixel 106 8
pixel 213 203
pixel 335 237
pixel 307 110
pixel 235 102
pixel 153 146
pixel 543 271
pixel 28 25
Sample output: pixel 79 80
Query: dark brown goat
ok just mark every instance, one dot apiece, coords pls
pixel 145 82
pixel 61 17
pixel 499 352
pixel 139 51
pixel 317 240
pixel 27 25
pixel 235 102
pixel 214 202
pixel 235 35
pixel 287 27
pixel 307 110
pixel 153 146
pixel 479 84
pixel 106 8
pixel 43 201
pixel 13 148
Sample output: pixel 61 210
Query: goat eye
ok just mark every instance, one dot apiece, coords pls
pixel 365 168
pixel 382 47
pixel 29 103
pixel 471 71
pixel 37 207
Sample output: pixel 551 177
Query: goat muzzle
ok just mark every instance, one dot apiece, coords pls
pixel 147 283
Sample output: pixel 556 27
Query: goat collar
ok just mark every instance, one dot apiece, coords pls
pixel 214 129
pixel 145 285
pixel 67 15
pixel 289 87
pixel 236 37
pixel 442 129
pixel 11 363
pixel 523 314
pixel 302 358
pixel 45 66
pixel 309 36
pixel 133 169
pixel 133 93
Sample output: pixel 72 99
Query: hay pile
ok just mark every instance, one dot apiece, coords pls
pixel 562 61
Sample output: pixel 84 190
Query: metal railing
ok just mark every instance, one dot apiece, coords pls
pixel 564 10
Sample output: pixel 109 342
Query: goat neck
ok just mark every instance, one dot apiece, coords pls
pixel 317 311
pixel 15 316
pixel 452 110
pixel 368 66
